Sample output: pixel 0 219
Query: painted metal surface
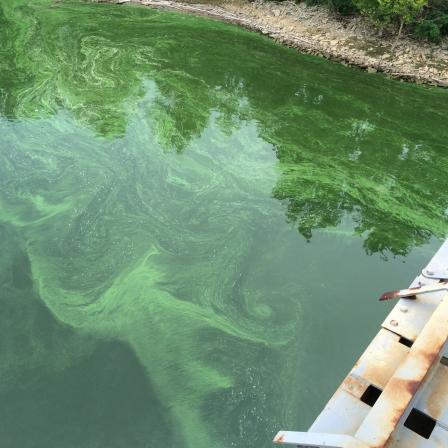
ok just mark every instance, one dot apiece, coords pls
pixel 396 395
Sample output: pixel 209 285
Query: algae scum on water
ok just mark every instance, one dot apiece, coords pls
pixel 195 223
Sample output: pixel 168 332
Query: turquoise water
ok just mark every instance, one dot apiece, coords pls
pixel 196 224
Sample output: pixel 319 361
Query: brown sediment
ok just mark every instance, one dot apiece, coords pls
pixel 315 30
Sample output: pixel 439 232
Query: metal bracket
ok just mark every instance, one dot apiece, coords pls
pixel 436 274
pixel 410 293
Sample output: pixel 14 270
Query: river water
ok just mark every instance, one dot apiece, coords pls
pixel 195 225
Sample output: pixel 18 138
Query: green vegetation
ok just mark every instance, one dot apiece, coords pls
pixel 344 7
pixel 425 19
pixel 434 23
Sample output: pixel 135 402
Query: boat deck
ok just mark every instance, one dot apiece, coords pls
pixel 396 395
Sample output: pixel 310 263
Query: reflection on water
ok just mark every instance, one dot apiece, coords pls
pixel 154 291
pixel 375 152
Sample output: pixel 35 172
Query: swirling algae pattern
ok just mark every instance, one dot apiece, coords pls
pixel 151 165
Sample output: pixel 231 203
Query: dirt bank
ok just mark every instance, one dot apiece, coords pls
pixel 315 30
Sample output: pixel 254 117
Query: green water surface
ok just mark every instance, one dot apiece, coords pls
pixel 195 225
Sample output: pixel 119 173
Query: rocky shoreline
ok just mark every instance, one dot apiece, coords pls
pixel 315 30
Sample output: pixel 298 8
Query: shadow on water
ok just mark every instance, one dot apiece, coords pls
pixel 102 400
pixel 62 387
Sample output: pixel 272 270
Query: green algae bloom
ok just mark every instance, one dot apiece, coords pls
pixel 195 224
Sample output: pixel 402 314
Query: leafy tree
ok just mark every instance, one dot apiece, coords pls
pixel 434 23
pixel 389 11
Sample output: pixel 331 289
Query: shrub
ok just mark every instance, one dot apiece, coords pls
pixel 387 11
pixel 427 29
pixel 343 7
pixel 434 23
